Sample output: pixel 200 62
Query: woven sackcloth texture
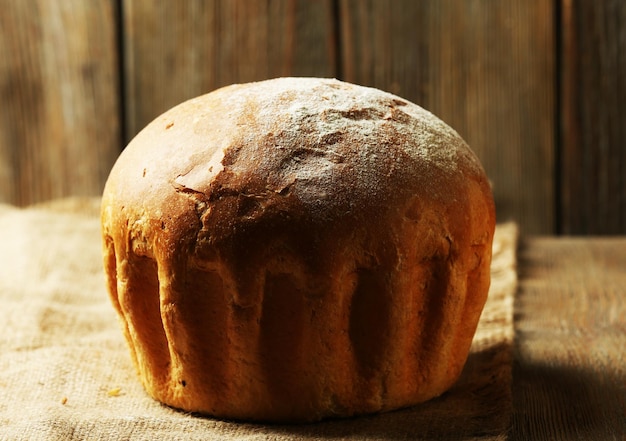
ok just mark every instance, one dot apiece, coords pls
pixel 65 371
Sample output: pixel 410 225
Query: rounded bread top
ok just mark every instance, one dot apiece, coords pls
pixel 287 153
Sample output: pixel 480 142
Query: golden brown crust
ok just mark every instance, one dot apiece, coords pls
pixel 297 249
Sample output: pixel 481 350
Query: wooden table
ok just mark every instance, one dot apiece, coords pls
pixel 569 374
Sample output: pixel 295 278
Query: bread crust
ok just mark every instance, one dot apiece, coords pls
pixel 297 249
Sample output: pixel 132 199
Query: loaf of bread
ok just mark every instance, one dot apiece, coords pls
pixel 297 249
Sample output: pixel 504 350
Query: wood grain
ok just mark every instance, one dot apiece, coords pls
pixel 59 126
pixel 569 372
pixel 537 88
pixel 593 117
pixel 177 50
pixel 486 68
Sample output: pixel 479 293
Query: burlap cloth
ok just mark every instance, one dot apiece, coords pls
pixel 65 372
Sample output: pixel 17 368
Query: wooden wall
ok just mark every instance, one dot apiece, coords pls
pixel 536 87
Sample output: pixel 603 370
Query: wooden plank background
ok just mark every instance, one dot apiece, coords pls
pixel 59 89
pixel 537 88
pixel 592 129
